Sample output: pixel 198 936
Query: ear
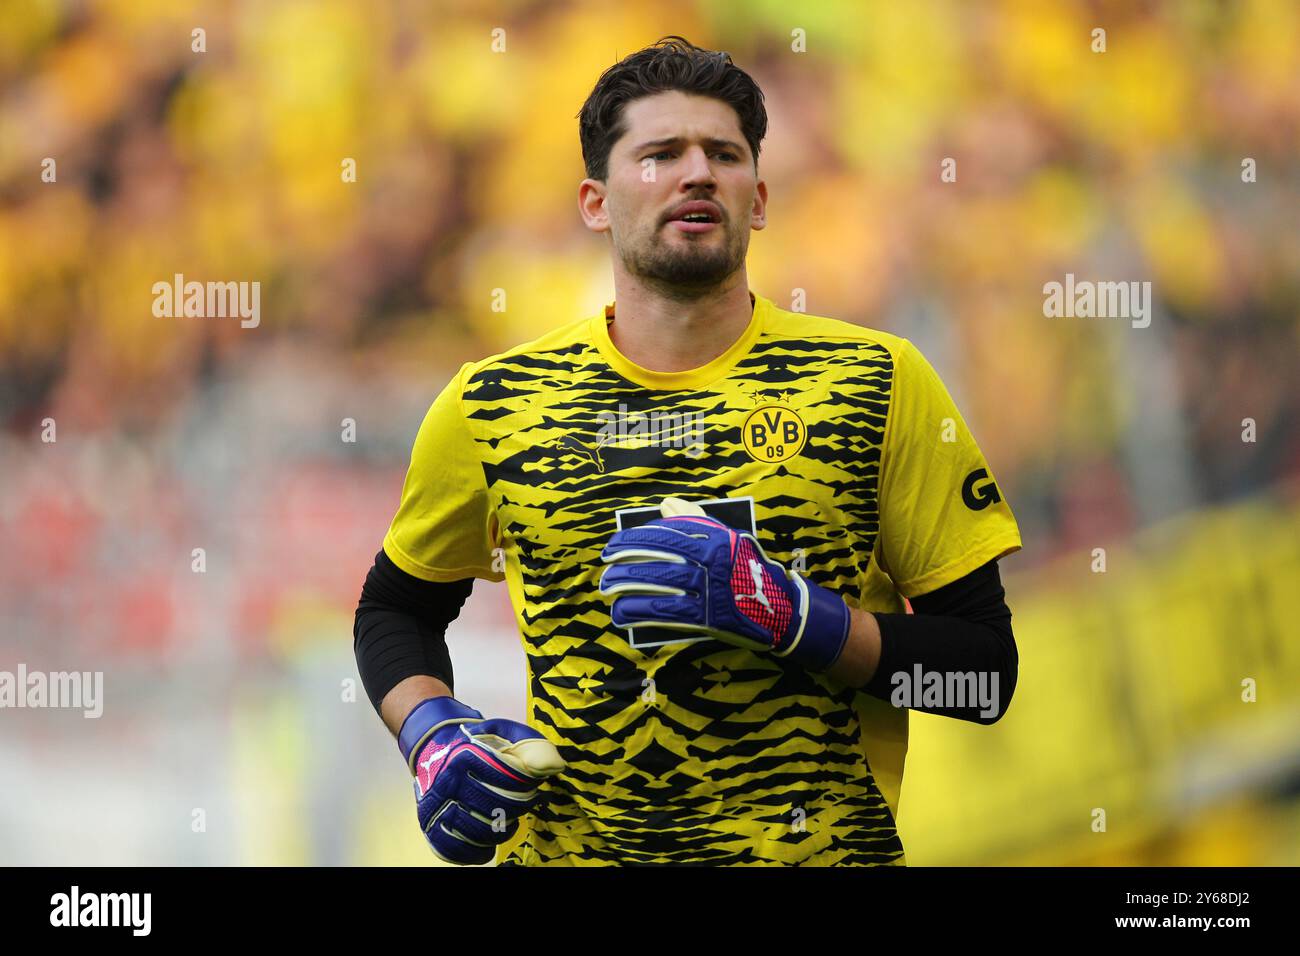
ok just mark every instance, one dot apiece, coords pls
pixel 592 206
pixel 758 214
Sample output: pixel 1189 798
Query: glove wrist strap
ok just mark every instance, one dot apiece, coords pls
pixel 425 719
pixel 824 627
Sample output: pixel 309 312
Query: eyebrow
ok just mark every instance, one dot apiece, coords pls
pixel 675 140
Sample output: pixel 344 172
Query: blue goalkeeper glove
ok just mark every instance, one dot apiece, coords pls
pixel 692 573
pixel 474 778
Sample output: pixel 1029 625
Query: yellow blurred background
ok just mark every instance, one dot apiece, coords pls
pixel 1157 716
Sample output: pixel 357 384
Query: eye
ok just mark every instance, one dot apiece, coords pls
pixel 728 155
pixel 655 156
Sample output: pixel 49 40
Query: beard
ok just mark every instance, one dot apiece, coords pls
pixel 687 264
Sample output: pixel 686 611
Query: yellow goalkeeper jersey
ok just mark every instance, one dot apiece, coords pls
pixel 843 450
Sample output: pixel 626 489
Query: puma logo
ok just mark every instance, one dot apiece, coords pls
pixel 435 755
pixel 580 446
pixel 756 571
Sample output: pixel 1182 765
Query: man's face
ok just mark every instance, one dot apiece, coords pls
pixel 678 149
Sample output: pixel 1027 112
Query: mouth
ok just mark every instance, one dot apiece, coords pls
pixel 696 216
pixel 686 225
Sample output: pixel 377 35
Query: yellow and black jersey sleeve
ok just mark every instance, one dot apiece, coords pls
pixel 445 528
pixel 941 512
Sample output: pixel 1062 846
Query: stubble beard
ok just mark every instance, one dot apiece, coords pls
pixel 687 265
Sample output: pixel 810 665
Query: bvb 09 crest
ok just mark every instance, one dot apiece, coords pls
pixel 774 433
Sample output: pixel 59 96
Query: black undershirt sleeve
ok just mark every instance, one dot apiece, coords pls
pixel 964 626
pixel 399 631
pixel 400 627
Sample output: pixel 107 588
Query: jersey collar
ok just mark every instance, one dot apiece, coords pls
pixel 694 378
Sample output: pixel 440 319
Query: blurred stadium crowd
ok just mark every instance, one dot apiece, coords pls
pixel 228 688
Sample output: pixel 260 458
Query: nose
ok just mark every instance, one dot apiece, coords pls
pixel 696 170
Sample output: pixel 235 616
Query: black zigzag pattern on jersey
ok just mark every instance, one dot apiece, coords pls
pixel 730 747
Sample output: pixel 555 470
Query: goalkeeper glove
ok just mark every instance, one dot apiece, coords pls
pixel 474 778
pixel 694 574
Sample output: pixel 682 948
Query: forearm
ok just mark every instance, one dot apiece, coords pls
pixel 965 668
pixel 960 632
pixel 403 698
pixel 399 639
pixel 879 662
pixel 860 658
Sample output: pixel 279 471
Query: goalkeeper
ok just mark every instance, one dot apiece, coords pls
pixel 711 514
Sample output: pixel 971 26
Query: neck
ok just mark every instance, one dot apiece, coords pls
pixel 674 334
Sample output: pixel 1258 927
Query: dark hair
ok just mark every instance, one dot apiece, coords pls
pixel 673 63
